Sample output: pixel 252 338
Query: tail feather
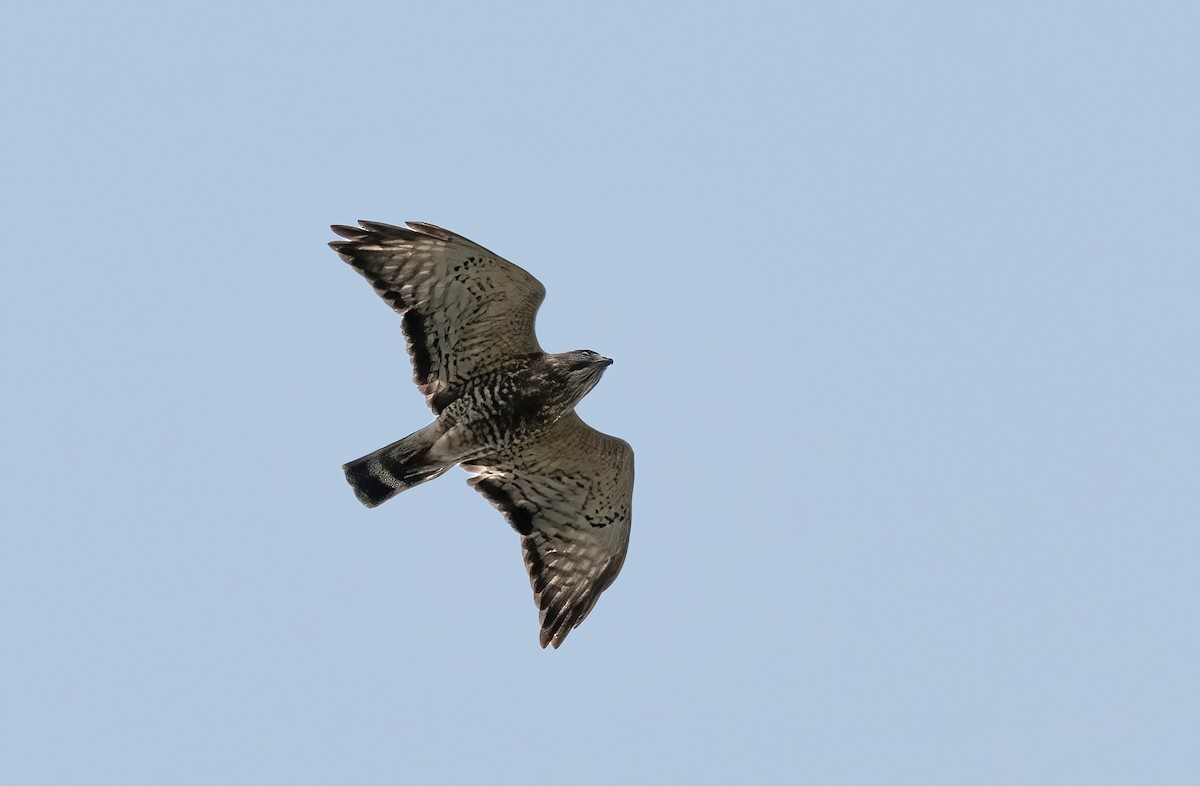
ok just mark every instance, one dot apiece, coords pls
pixel 379 476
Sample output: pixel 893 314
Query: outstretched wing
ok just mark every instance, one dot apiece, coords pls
pixel 569 493
pixel 465 309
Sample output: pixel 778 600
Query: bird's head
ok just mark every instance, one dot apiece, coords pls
pixel 579 370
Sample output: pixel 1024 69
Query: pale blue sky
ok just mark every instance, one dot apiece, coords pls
pixel 904 305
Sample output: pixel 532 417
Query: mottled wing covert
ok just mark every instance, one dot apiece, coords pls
pixel 569 494
pixel 465 309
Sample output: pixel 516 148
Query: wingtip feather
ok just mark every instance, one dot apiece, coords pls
pixel 384 229
pixel 343 249
pixel 432 230
pixel 350 233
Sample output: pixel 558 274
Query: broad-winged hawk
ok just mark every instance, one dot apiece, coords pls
pixel 505 410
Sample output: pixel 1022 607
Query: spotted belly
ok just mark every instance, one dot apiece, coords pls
pixel 493 415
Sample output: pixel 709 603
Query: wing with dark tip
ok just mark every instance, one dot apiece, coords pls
pixel 569 493
pixel 465 309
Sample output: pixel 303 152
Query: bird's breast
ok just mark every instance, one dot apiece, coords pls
pixel 500 410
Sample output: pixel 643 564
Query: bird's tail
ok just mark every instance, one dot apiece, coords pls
pixel 379 476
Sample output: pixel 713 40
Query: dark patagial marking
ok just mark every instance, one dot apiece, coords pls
pixel 520 519
pixel 414 328
pixel 394 298
pixel 445 399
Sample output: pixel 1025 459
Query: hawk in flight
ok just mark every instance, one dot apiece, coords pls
pixel 505 410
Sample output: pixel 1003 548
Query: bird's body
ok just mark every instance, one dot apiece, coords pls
pixel 512 404
pixel 505 409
